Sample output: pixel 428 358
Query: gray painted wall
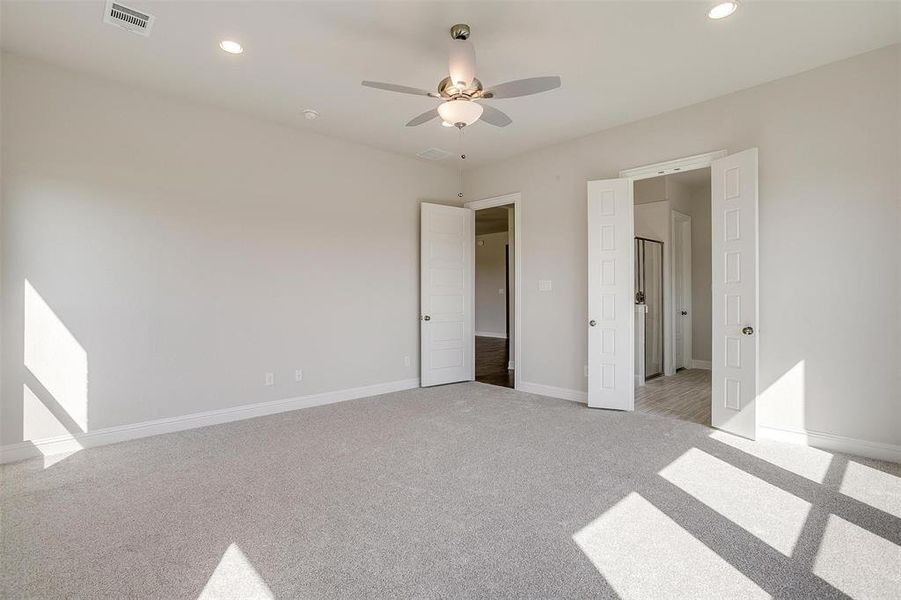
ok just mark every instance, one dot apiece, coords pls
pixel 183 251
pixel 830 260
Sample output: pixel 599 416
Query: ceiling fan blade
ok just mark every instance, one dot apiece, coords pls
pixel 403 89
pixel 522 87
pixel 423 118
pixel 495 117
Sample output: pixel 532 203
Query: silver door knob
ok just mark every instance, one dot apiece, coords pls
pixel 427 318
pixel 592 322
pixel 748 330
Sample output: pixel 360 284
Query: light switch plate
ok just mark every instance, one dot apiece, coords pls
pixel 545 285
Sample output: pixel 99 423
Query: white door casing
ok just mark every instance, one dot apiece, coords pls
pixel 611 319
pixel 734 248
pixel 447 285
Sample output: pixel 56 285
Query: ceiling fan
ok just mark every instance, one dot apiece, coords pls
pixel 461 92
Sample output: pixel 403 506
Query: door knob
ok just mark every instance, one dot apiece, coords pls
pixel 592 322
pixel 684 312
pixel 748 330
pixel 427 318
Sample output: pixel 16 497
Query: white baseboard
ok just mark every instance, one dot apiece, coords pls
pixel 511 365
pixel 831 442
pixel 700 364
pixel 553 392
pixel 67 444
pixel 491 334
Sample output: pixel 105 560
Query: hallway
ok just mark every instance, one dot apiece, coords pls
pixel 684 396
pixel 492 360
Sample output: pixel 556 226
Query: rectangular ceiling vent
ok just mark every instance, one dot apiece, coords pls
pixel 128 19
pixel 433 154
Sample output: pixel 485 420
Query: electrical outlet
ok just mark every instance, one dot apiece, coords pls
pixel 406 361
pixel 270 379
pixel 545 285
pixel 298 375
pixel 500 291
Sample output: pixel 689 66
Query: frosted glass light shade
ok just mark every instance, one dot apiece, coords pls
pixel 460 111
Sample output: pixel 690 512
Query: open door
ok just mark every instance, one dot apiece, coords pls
pixel 611 319
pixel 734 275
pixel 447 286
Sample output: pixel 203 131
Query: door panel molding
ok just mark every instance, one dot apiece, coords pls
pixel 611 280
pixel 447 294
pixel 735 302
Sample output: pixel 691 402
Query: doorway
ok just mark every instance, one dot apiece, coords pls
pixel 673 295
pixel 493 351
pixel 493 228
pixel 612 347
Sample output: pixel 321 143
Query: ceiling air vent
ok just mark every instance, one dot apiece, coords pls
pixel 128 19
pixel 433 154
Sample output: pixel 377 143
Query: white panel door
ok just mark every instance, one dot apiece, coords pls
pixel 681 291
pixel 734 275
pixel 447 340
pixel 611 320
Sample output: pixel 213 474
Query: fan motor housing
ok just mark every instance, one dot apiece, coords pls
pixel 449 90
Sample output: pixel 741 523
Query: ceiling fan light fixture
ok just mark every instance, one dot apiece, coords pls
pixel 231 46
pixel 457 112
pixel 446 124
pixel 721 10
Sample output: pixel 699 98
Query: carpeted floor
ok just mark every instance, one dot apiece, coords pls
pixel 467 490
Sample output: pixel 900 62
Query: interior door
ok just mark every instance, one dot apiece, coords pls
pixel 447 285
pixel 681 291
pixel 611 324
pixel 734 275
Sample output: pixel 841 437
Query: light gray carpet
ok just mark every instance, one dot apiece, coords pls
pixel 466 491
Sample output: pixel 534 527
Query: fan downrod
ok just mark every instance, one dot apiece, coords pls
pixel 460 31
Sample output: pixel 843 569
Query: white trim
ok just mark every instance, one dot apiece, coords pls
pixel 701 364
pixel 516 200
pixel 71 443
pixel 511 365
pixel 831 442
pixel 491 334
pixel 668 167
pixel 553 392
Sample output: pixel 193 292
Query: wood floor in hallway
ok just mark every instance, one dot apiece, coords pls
pixel 684 396
pixel 492 360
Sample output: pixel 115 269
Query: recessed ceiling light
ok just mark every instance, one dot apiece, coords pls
pixel 309 114
pixel 722 10
pixel 231 47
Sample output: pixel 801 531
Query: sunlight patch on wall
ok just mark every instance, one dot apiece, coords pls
pixel 874 487
pixel 40 423
pixel 235 577
pixel 805 461
pixel 784 400
pixel 859 563
pixel 642 553
pixel 55 358
pixel 764 510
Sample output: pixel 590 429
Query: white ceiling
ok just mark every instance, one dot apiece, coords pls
pixel 619 61
pixel 491 220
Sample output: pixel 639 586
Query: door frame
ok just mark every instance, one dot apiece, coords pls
pixel 671 167
pixel 682 221
pixel 515 199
